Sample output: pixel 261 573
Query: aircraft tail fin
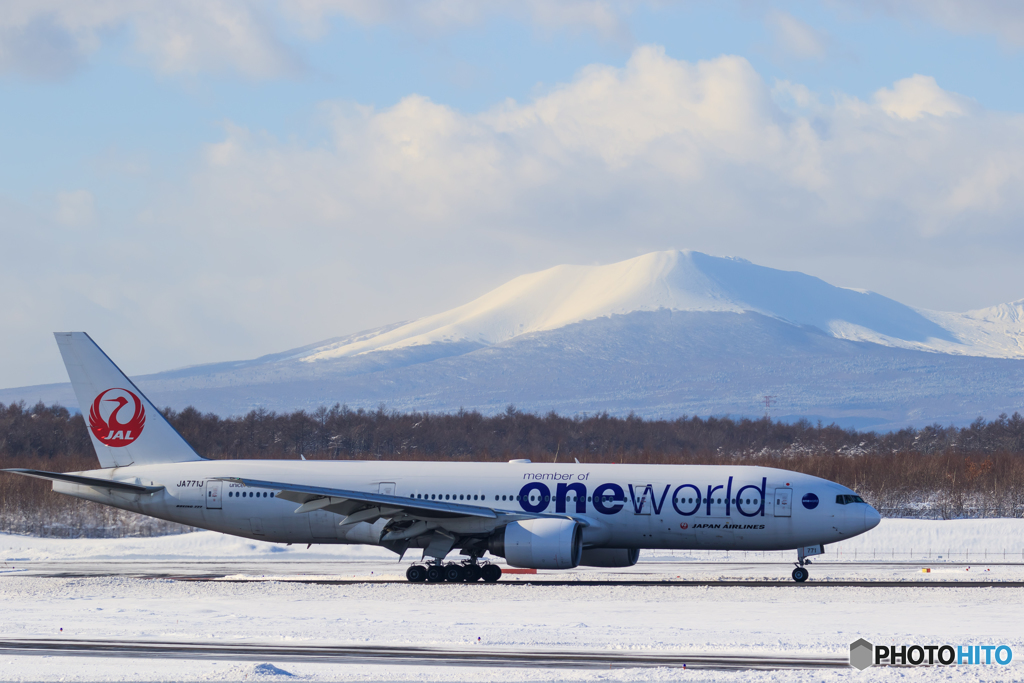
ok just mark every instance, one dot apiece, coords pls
pixel 124 426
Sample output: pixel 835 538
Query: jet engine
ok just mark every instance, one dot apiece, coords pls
pixel 610 557
pixel 539 543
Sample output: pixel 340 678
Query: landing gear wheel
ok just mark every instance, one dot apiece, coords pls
pixel 416 573
pixel 800 574
pixel 454 574
pixel 472 572
pixel 435 574
pixel 490 573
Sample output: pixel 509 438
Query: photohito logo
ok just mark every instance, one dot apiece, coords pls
pixel 863 654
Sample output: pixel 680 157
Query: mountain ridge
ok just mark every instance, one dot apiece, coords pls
pixel 693 281
pixel 661 335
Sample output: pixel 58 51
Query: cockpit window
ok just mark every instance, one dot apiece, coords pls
pixel 846 499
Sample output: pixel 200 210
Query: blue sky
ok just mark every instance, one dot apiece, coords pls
pixel 193 182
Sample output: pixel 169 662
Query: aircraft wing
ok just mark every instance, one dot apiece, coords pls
pixel 319 497
pixel 362 506
pixel 87 481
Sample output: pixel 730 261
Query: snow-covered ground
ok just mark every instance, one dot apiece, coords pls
pixel 660 617
pixel 931 542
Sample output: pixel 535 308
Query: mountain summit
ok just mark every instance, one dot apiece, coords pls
pixel 691 281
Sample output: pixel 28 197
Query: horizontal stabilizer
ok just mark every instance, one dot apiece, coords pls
pixel 87 481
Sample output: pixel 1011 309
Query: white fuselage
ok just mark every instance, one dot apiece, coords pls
pixel 622 506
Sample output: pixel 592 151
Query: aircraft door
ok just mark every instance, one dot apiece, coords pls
pixel 387 488
pixel 213 490
pixel 783 502
pixel 641 497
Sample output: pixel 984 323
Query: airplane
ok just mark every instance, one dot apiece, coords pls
pixel 534 515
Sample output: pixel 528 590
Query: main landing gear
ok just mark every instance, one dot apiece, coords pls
pixel 466 572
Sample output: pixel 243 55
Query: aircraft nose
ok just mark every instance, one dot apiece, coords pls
pixel 871 517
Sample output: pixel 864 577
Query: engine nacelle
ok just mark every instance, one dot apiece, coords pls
pixel 610 557
pixel 539 544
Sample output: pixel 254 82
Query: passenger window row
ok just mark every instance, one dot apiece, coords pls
pixel 841 499
pixel 574 499
pixel 717 501
pixel 446 496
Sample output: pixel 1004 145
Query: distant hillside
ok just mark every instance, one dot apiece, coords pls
pixel 661 335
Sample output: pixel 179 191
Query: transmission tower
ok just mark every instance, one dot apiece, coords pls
pixel 768 406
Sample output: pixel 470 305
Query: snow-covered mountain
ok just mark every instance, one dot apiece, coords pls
pixel 692 281
pixel 664 334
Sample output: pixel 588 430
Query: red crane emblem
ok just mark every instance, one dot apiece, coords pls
pixel 111 431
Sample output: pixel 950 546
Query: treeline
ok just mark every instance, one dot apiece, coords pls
pixel 936 471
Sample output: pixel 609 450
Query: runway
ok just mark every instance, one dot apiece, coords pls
pixel 652 574
pixel 666 583
pixel 374 654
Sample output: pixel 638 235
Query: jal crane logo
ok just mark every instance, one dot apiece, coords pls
pixel 114 405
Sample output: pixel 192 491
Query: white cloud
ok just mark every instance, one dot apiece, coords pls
pixel 76 208
pixel 914 97
pixel 657 138
pixel 205 35
pixel 795 38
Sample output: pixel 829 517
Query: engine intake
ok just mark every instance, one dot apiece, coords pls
pixel 539 544
pixel 610 557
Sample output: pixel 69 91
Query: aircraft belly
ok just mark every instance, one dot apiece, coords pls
pixel 363 532
pixel 670 534
pixel 621 533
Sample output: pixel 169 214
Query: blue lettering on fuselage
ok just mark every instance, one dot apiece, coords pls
pixel 579 490
pixel 645 494
pixel 761 491
pixel 526 496
pixel 676 497
pixel 609 499
pixel 602 499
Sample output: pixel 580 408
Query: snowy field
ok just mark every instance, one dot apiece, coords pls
pixel 105 590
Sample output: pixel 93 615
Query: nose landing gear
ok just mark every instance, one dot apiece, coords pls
pixel 800 574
